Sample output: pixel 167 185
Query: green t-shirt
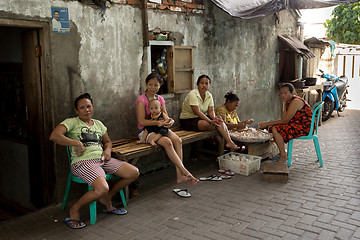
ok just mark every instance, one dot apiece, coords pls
pixel 91 137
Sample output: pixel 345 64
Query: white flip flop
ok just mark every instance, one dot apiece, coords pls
pixel 182 192
pixel 211 178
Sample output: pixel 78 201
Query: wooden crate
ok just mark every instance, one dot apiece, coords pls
pixel 263 150
pixel 275 172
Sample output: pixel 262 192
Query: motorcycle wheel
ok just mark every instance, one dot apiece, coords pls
pixel 341 106
pixel 327 110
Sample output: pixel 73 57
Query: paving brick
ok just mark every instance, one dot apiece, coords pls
pixel 272 231
pixel 292 230
pixel 289 236
pixel 326 226
pixel 308 219
pixel 344 234
pixel 357 233
pixel 308 228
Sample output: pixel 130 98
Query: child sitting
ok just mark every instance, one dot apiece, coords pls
pixel 156 114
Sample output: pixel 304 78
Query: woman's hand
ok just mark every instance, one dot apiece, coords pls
pixel 160 123
pixel 215 122
pixel 241 125
pixel 106 155
pixel 218 119
pixel 263 124
pixel 80 148
pixel 169 123
pixel 249 121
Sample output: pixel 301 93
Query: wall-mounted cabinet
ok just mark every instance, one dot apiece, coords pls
pixel 174 64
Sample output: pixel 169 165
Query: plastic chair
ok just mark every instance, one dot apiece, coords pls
pixel 316 108
pixel 72 178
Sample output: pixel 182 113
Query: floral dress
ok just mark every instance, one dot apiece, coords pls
pixel 299 125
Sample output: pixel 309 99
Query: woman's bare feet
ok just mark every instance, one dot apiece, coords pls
pixel 232 145
pixel 282 159
pixel 188 178
pixel 74 214
pixel 192 180
pixel 107 203
pixel 152 143
pixel 182 179
pixel 141 141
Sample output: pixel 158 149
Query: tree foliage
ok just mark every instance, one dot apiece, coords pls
pixel 344 27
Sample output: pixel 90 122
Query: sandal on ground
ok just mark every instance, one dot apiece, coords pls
pixel 279 162
pixel 224 176
pixel 116 211
pixel 227 172
pixel 68 221
pixel 211 178
pixel 182 192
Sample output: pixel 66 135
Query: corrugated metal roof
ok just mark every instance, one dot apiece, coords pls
pixel 316 42
pixel 296 45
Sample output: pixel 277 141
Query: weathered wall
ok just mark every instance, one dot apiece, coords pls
pixel 107 59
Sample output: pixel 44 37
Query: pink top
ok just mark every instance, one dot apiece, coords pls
pixel 143 98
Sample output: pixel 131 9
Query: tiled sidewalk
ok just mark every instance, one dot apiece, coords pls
pixel 316 203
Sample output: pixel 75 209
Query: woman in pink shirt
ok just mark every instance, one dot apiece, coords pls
pixel 172 144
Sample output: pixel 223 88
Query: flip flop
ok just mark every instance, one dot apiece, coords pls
pixel 279 162
pixel 116 211
pixel 224 176
pixel 68 221
pixel 227 172
pixel 211 178
pixel 182 192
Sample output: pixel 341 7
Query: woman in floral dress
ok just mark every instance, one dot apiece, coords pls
pixel 295 121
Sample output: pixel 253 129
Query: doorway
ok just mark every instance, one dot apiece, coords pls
pixel 27 172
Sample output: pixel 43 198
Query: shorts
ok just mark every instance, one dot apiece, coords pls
pixel 158 130
pixel 90 170
pixel 190 124
pixel 141 133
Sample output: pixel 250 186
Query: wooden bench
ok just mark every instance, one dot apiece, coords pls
pixel 129 151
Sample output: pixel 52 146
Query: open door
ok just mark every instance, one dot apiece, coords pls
pixel 41 170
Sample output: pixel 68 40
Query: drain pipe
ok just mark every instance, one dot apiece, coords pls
pixel 300 62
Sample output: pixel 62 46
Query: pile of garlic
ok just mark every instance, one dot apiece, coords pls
pixel 233 157
pixel 251 135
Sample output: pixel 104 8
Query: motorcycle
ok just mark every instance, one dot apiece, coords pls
pixel 334 95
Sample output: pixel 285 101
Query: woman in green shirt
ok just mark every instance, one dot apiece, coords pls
pixel 90 147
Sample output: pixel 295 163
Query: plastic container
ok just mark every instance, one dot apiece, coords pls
pixel 243 164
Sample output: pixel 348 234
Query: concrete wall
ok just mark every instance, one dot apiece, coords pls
pixel 107 59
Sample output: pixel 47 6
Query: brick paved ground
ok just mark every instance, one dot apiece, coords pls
pixel 316 203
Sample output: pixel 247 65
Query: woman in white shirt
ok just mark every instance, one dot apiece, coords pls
pixel 198 114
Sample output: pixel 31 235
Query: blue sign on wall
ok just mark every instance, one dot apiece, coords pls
pixel 60 20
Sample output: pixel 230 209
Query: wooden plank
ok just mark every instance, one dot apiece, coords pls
pixel 127 149
pixel 275 172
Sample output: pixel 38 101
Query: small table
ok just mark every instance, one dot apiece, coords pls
pixel 264 150
pixel 305 92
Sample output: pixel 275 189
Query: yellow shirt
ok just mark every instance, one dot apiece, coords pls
pixel 194 99
pixel 229 117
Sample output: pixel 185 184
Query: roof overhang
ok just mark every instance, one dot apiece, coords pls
pixel 297 46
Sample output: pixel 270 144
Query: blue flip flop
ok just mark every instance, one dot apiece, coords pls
pixel 278 162
pixel 68 221
pixel 116 211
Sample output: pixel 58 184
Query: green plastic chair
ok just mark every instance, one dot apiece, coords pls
pixel 72 178
pixel 316 108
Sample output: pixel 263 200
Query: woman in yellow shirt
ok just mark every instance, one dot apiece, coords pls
pixel 227 112
pixel 197 113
